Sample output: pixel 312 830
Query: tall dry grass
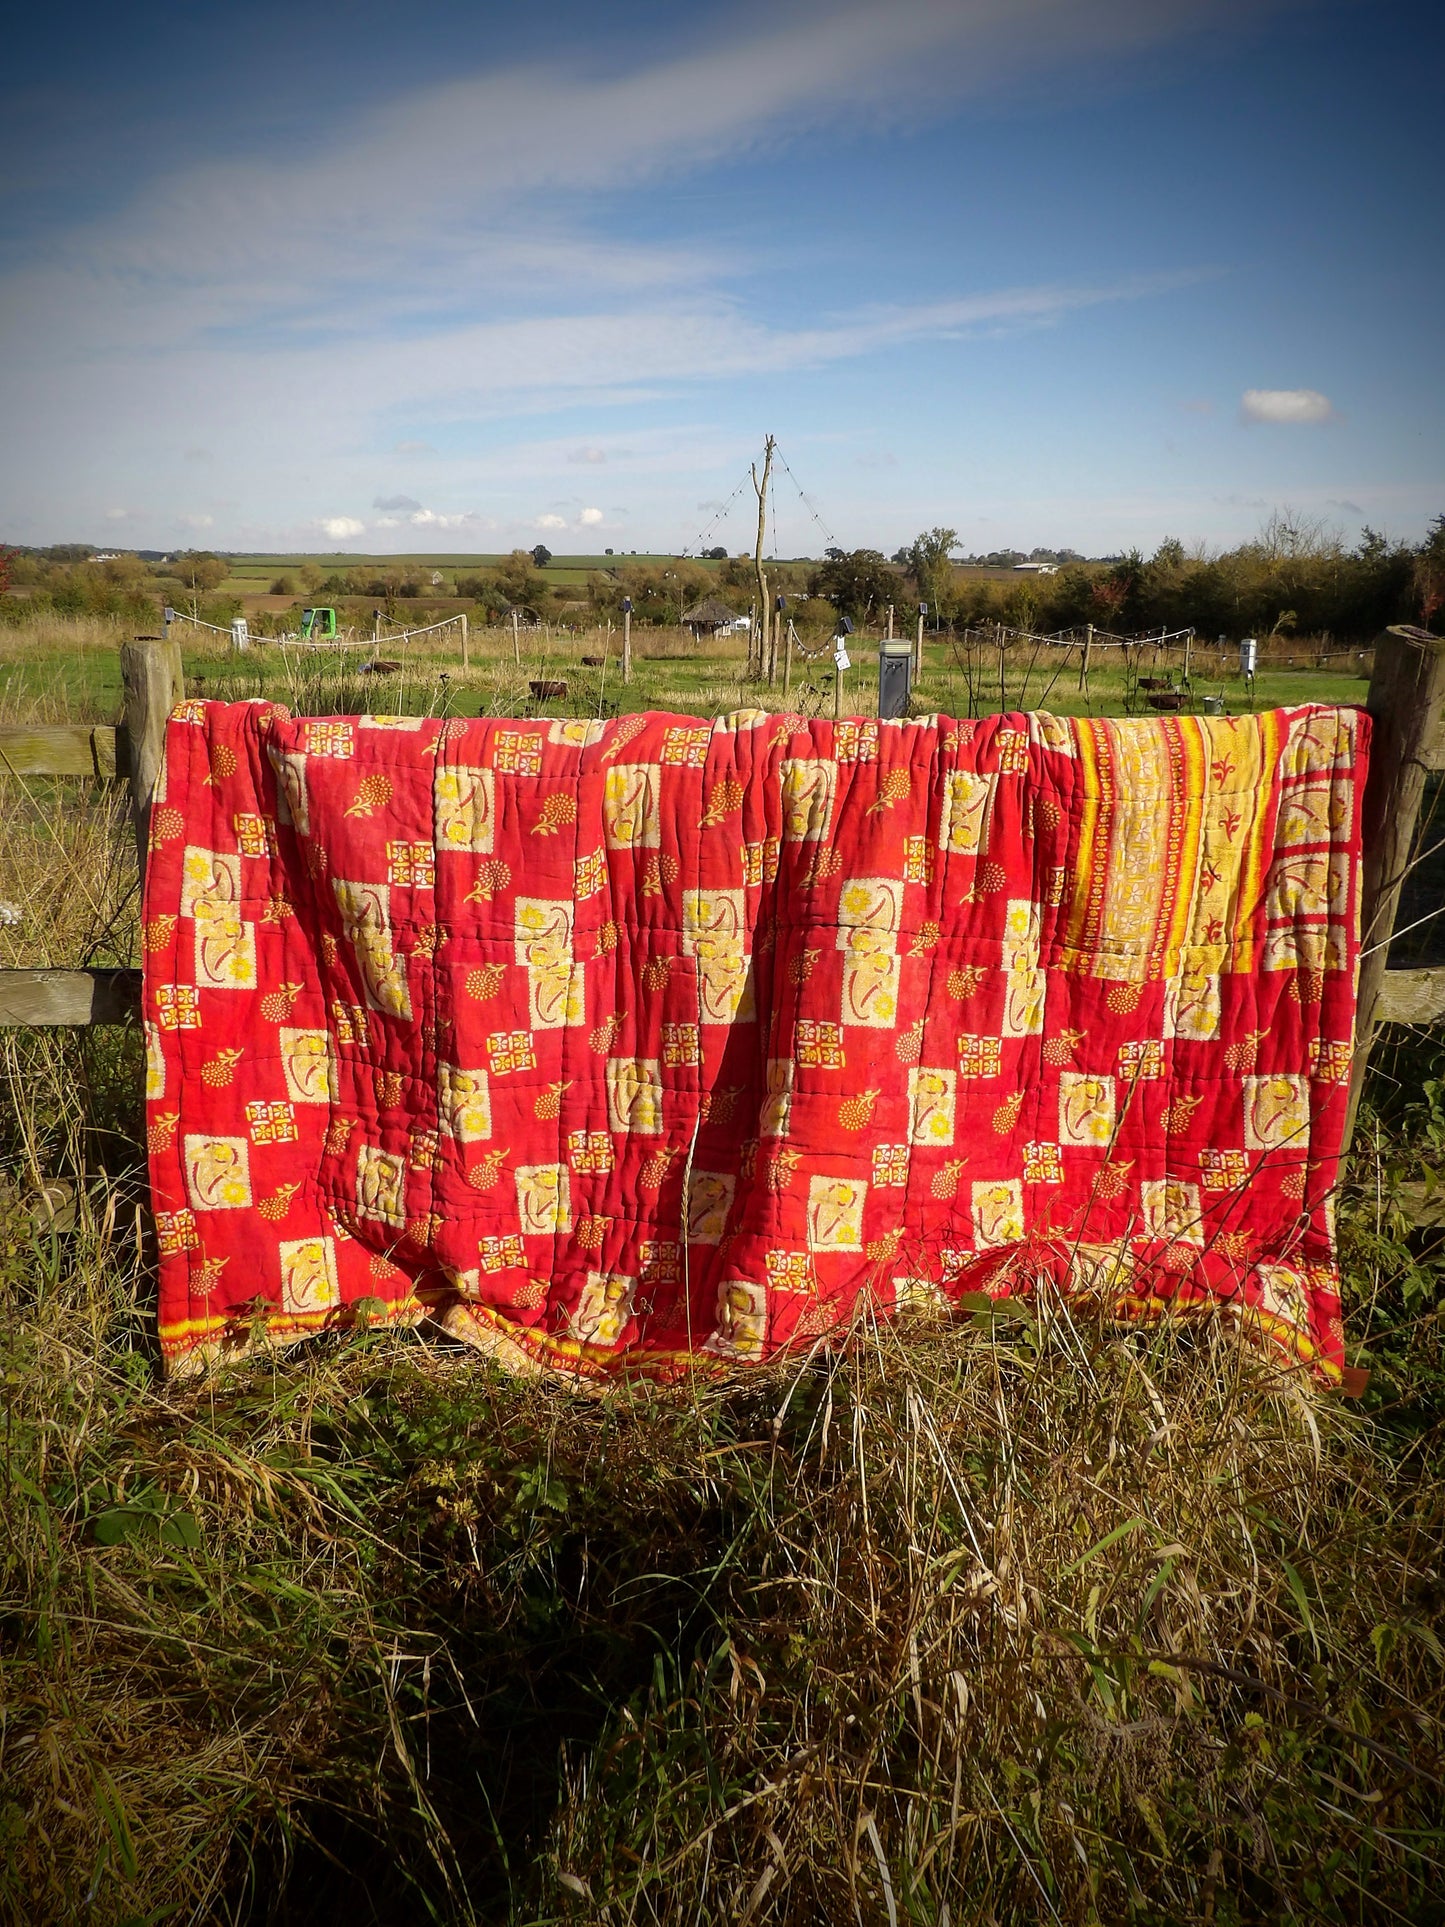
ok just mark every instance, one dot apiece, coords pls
pixel 1007 1619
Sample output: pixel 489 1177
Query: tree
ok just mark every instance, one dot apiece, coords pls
pixel 1113 592
pixel 856 584
pixel 929 566
pixel 200 572
pixel 1430 571
pixel 719 554
pixel 518 578
pixel 541 555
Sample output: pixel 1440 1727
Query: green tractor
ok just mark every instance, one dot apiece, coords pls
pixel 318 625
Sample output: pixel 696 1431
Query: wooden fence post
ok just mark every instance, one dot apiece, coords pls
pixel 154 682
pixel 627 644
pixel 1084 658
pixel 466 642
pixel 1407 695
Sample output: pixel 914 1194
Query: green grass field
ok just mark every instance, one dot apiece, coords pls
pixel 254 574
pixel 76 667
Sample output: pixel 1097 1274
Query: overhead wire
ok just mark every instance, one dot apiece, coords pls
pixel 805 498
pixel 708 528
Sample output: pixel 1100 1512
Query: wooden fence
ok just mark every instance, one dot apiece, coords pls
pixel 1406 700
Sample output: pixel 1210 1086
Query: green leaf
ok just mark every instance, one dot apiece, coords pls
pixel 1109 1539
pixel 144 1520
pixel 113 1528
pixel 181 1529
pixel 1301 1600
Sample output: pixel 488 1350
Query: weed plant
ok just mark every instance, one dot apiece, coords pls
pixel 1006 1618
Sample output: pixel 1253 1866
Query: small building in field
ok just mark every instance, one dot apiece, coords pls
pixel 708 617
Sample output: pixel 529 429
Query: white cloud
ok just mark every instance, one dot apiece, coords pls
pixel 393 502
pixel 196 521
pixel 253 280
pixel 1285 405
pixel 589 518
pixel 551 522
pixel 434 519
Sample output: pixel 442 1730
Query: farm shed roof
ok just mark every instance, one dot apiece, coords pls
pixel 710 613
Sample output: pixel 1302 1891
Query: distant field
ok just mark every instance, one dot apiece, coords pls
pixel 254 574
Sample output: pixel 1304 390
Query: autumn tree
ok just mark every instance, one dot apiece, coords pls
pixel 1430 571
pixel 857 584
pixel 519 577
pixel 199 571
pixel 928 564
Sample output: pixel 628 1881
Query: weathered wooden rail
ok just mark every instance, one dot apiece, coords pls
pixel 1406 701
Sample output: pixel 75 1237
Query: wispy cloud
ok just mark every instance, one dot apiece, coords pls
pixel 507 287
pixel 1286 406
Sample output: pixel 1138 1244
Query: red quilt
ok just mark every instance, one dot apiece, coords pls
pixel 616 1043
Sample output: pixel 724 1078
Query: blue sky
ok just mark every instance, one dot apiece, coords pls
pixel 456 277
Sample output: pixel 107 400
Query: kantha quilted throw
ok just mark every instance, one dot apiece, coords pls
pixel 647 1041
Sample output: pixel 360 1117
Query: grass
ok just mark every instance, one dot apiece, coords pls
pixel 254 574
pixel 70 668
pixel 1003 1620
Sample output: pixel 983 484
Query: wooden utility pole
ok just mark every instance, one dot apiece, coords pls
pixel 1084 659
pixel 767 650
pixel 154 682
pixel 1405 703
